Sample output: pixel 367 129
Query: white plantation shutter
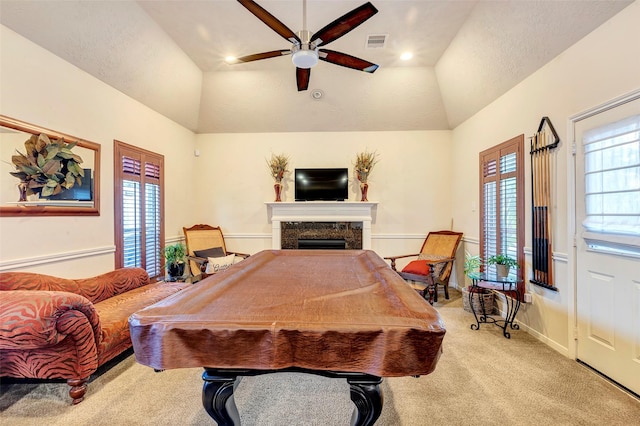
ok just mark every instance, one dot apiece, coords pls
pixel 131 224
pixel 502 202
pixel 139 209
pixel 152 219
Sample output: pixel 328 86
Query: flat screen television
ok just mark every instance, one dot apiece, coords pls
pixel 77 192
pixel 322 184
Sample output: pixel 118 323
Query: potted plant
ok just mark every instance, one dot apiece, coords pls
pixel 46 167
pixel 472 264
pixel 503 264
pixel 175 260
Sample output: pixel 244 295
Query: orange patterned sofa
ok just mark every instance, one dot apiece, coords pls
pixel 57 328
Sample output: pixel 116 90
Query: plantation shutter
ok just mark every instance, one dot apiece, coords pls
pixel 502 202
pixel 139 206
pixel 152 219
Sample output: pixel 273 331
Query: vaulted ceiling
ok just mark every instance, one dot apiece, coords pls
pixel 169 55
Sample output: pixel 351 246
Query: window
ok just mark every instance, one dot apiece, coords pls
pixel 502 202
pixel 612 178
pixel 139 208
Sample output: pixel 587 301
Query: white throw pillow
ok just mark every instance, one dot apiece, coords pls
pixel 217 264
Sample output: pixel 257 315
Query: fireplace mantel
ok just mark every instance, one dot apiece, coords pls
pixel 321 211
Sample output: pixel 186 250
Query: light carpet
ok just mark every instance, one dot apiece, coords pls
pixel 482 378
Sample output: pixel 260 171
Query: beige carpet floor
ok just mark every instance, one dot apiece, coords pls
pixel 482 378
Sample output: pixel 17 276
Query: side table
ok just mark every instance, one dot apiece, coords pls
pixel 509 287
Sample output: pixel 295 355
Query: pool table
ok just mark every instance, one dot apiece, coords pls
pixel 337 313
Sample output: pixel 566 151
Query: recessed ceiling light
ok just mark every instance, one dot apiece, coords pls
pixel 230 59
pixel 406 56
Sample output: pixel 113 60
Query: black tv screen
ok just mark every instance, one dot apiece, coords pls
pixel 321 184
pixel 77 192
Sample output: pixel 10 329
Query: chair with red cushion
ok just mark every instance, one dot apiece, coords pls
pixel 433 265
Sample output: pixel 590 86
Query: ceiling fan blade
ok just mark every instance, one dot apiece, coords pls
pixel 344 24
pixel 302 78
pixel 263 55
pixel 346 60
pixel 270 20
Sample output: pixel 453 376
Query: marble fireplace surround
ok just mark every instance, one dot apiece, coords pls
pixel 321 211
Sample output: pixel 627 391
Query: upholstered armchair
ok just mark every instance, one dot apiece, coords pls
pixel 207 251
pixel 433 264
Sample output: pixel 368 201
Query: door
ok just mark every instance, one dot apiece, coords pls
pixel 607 166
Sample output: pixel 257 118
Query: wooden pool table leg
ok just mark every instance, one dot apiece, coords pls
pixel 367 396
pixel 217 397
pixel 217 393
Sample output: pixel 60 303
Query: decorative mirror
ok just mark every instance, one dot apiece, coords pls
pixel 63 172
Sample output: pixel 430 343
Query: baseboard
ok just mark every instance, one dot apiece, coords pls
pixel 544 339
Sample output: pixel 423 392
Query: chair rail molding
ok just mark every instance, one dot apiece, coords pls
pixel 7 265
pixel 321 211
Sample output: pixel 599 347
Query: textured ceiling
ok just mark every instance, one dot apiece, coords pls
pixel 169 55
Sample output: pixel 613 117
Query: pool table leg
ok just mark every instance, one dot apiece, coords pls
pixel 219 384
pixel 217 397
pixel 367 397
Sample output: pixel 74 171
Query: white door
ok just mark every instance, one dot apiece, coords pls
pixel 608 242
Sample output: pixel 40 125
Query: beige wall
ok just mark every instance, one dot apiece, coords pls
pixel 42 89
pixel 602 66
pixel 409 182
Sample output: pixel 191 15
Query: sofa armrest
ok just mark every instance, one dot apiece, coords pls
pixel 96 289
pixel 29 319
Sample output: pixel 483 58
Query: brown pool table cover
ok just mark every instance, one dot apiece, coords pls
pixel 315 309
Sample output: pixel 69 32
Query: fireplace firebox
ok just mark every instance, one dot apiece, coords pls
pixel 322 244
pixel 322 235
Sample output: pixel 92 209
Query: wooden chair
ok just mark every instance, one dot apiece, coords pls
pixel 203 242
pixel 434 263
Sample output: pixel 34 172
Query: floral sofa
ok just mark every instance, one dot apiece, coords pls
pixel 56 328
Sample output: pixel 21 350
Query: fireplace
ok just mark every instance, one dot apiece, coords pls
pixel 316 235
pixel 360 213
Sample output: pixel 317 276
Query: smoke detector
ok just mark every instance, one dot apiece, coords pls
pixel 317 94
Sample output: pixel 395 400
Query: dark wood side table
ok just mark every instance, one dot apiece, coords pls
pixel 507 286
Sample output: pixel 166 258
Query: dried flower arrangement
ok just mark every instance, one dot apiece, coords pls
pixel 364 164
pixel 278 166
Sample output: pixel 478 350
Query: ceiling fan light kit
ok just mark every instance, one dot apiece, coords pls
pixel 304 57
pixel 304 50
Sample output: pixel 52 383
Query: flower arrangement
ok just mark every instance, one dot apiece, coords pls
pixel 278 166
pixel 47 167
pixel 364 164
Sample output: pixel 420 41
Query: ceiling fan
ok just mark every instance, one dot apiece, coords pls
pixel 305 51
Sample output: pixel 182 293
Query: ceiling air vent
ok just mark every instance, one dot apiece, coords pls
pixel 376 41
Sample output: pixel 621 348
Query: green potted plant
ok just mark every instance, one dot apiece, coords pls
pixel 47 167
pixel 472 264
pixel 503 264
pixel 175 260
